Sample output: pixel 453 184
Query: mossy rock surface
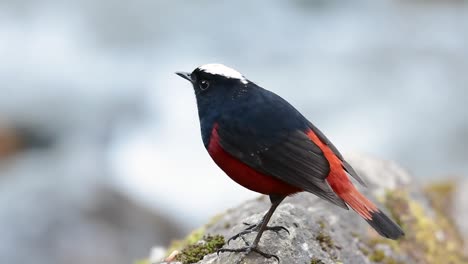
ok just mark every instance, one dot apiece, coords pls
pixel 431 236
pixel 195 252
pixel 325 234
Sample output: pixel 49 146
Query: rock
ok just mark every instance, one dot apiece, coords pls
pixel 316 231
pixel 323 233
pixel 460 210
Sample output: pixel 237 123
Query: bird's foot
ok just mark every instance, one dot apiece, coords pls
pixel 247 250
pixel 255 228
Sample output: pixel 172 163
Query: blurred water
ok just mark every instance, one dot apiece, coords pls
pixel 385 77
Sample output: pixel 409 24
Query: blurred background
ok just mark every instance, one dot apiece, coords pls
pixel 100 152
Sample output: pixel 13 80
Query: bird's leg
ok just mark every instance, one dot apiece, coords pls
pixel 260 228
pixel 255 228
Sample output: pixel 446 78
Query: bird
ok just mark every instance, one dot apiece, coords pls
pixel 266 145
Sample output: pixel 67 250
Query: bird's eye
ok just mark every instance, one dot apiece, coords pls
pixel 204 84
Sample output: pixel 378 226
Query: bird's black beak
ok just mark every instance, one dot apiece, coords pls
pixel 185 75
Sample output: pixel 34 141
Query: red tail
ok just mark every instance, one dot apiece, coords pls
pixel 358 202
pixel 343 187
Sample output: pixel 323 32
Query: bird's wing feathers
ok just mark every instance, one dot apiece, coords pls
pixel 346 165
pixel 284 153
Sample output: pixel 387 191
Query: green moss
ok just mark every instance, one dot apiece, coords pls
pixel 440 196
pixel 325 241
pixel 443 188
pixel 429 238
pixel 377 256
pixel 321 223
pixel 389 260
pixel 196 252
pixel 190 239
pixel 316 261
pixel 355 235
pixel 374 241
pixel 364 251
pixel 195 235
pixel 143 261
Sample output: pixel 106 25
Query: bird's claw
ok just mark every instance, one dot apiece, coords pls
pixel 245 241
pixel 277 229
pixel 254 228
pixel 247 250
pixel 241 235
pixel 250 226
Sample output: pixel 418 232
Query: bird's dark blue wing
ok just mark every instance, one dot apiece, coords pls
pixel 271 138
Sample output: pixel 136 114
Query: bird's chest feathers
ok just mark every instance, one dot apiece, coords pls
pixel 242 173
pixel 208 120
pixel 206 126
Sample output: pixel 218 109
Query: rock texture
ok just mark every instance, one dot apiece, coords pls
pixel 318 236
pixel 323 233
pixel 460 210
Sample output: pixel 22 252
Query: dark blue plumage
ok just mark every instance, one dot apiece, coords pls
pixel 265 144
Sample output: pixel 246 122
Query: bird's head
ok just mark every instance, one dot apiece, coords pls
pixel 213 83
pixel 213 76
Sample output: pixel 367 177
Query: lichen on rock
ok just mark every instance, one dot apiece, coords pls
pixel 195 252
pixel 192 238
pixel 431 237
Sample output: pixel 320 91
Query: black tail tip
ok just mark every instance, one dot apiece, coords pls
pixel 385 226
